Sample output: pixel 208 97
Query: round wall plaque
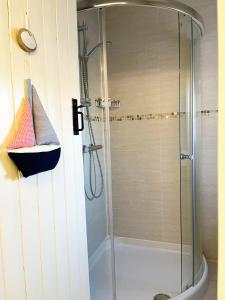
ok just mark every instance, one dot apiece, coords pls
pixel 26 40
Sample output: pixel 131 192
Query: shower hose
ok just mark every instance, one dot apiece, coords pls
pixel 94 160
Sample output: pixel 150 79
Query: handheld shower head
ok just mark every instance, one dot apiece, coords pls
pixel 97 46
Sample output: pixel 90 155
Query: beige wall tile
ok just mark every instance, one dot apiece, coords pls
pixel 143 74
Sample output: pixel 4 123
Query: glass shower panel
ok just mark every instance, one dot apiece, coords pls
pixel 186 150
pixel 143 82
pixel 196 44
pixel 94 153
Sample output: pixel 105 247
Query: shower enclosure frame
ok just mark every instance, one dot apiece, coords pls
pixel 196 19
pixel 164 4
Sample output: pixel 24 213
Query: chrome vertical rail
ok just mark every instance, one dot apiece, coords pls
pixel 181 220
pixel 193 156
pixel 108 150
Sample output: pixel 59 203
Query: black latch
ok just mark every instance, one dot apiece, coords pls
pixel 76 113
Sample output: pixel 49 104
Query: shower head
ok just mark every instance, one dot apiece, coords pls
pixel 97 46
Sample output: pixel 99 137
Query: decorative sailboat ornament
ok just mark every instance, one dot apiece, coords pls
pixel 35 147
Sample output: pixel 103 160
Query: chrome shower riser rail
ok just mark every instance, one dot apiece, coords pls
pixel 165 4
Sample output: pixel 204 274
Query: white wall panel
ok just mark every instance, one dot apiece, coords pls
pixel 11 237
pixel 43 251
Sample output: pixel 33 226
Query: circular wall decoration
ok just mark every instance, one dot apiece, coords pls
pixel 26 40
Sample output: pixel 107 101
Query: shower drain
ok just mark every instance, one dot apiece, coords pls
pixel 161 297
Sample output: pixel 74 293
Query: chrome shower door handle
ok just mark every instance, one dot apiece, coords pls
pixel 186 156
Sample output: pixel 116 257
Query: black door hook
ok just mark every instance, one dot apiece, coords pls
pixel 76 113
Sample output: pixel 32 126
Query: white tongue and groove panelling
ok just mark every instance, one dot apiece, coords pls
pixel 43 253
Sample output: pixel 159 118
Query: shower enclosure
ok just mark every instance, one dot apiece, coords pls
pixel 140 88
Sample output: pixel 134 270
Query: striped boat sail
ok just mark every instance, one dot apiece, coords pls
pixel 34 147
pixel 24 135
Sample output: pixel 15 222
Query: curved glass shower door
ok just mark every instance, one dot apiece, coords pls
pixel 186 150
pixel 143 79
pixel 189 65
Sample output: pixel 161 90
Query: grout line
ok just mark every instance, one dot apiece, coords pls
pixel 18 178
pixel 60 89
pixel 46 73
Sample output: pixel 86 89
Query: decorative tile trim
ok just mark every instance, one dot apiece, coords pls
pixel 153 116
pixel 172 115
pixel 209 112
pixel 94 118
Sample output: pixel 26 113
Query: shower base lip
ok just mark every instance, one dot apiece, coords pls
pixel 135 247
pixel 198 291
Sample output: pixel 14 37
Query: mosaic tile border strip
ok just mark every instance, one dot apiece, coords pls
pixel 139 117
pixel 153 116
pixel 209 112
pixel 95 118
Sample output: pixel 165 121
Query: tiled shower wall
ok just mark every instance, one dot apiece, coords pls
pixel 145 153
pixel 143 74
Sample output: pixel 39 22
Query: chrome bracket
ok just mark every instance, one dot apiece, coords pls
pixel 186 156
pixel 100 103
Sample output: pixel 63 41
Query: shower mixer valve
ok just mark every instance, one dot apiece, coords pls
pixel 90 148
